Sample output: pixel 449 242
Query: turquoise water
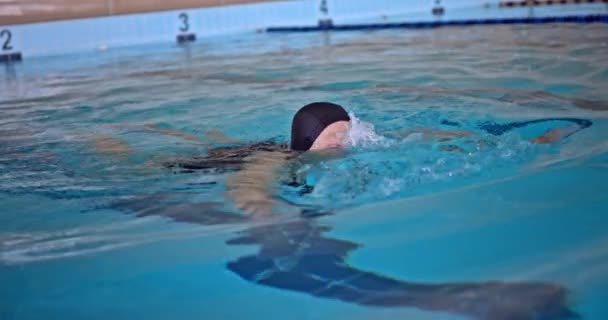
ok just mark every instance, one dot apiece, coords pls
pixel 93 226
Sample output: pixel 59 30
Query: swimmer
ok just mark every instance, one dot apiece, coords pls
pixel 322 128
pixel 319 130
pixel 299 256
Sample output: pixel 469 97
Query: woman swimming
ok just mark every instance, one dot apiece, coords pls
pixel 298 255
pixel 319 131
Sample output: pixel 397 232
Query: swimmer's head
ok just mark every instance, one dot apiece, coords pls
pixel 319 126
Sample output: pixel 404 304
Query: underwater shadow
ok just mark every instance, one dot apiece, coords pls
pixel 296 255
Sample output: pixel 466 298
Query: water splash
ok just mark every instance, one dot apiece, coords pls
pixel 363 134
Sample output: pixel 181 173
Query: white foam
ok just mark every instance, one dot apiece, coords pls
pixel 363 134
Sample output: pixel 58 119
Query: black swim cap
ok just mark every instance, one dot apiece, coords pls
pixel 311 120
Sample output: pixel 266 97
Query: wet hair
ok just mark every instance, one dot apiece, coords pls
pixel 311 120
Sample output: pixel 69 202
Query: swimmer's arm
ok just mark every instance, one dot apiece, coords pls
pixel 430 133
pixel 555 134
pixel 214 135
pixel 108 145
pixel 218 136
pixel 551 136
pixel 171 132
pixel 251 189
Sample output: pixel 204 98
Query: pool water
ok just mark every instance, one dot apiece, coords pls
pixel 487 226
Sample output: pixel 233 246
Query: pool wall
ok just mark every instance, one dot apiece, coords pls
pixel 166 27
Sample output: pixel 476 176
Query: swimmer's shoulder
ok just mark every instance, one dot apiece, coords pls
pixel 232 157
